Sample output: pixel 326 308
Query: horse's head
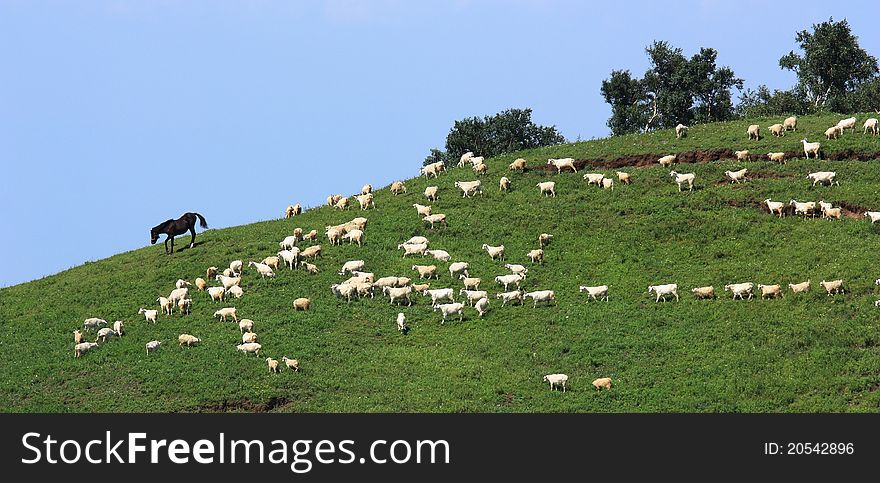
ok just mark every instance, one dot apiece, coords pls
pixel 154 236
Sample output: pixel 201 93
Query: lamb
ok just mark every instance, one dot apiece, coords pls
pixel 507 280
pixel 313 251
pixel 562 163
pixel 518 165
pixel 273 365
pixel 292 364
pixel 480 169
pixel 289 243
pixel 185 305
pixel 432 193
pixel 228 281
pixel 873 215
pixel 739 289
pixel 302 303
pixel 398 293
pixel 504 184
pixel 623 177
pixel 245 325
pixel 608 183
pixel 778 157
pixel 422 210
pixel 777 207
pixel 823 177
pixel 594 178
pixel 181 283
pixel 743 155
pixel 440 295
pixel 537 254
pixel 450 309
pixel 597 293
pixel 465 159
pixel 432 219
pixel 421 288
pixel 663 290
pixel 556 381
pixel 226 312
pixel 544 239
pixel 811 148
pixel 82 348
pixel 149 315
pixel 441 255
pixel 790 123
pixel 265 270
pixel 310 236
pixel 754 131
pixel 413 249
pixel 292 210
pixel 426 271
pixel 799 287
pixel 494 252
pixel 681 131
pixel 469 188
pixel 473 295
pixel 683 178
pixel 165 305
pixel 872 125
pixel 803 208
pixel 366 201
pixel 398 188
pixel 249 347
pixel 547 187
pixel 704 292
pixel 832 287
pixel 236 266
pixel 777 130
pixel 667 160
pixel 401 322
pixel 201 284
pixel 342 204
pixel 518 269
pixel 217 293
pixel 736 176
pixel 510 297
pixel 235 291
pixel 248 337
pixel 458 268
pixel 272 262
pixel 311 268
pixel 602 383
pixel 833 132
pixel 290 257
pixel 541 296
pixel 119 328
pixel 210 272
pixel 104 334
pixel 352 266
pixel 153 346
pixel 771 291
pixel 77 337
pixel 848 123
pixel 187 340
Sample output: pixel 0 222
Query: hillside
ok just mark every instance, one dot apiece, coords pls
pixel 802 353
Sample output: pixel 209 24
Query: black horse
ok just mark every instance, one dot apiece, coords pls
pixel 172 228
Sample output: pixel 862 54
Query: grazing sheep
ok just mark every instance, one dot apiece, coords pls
pixel 833 132
pixel 754 132
pixel 95 322
pixel 872 125
pixel 354 236
pixel 366 201
pixel 556 381
pixel 450 309
pixel 441 255
pixel 777 130
pixel 544 239
pixel 311 236
pixel 235 291
pixel 342 204
pixel 217 293
pixel 663 290
pixel 422 210
pixel 465 159
pixel 290 257
pixel 226 312
pixel 313 251
pixel 201 284
pixel 608 183
pixel 510 297
pixel 681 178
pixel 602 383
pixel 743 155
pixel 153 346
pixel 403 281
pixel 594 178
pixel 367 189
pixel 413 249
pixel 736 176
pixel 547 187
pixel 187 340
pixel 77 337
pixel 681 131
pixel 482 306
pixel 292 364
pixel 334 236
pixel 440 295
pixel 469 188
pixel 432 219
pixel 248 337
pixel 667 160
pixel 504 184
pixel 429 170
pixel 458 268
pixel 250 347
pixel 181 283
pixel 236 266
pixel 401 322
pixel 292 210
pixel 368 277
pixel 210 272
pixel 494 252
pixel 507 280
pixel 481 168
pixel 297 234
pixel 352 266
pixel 301 303
pixel 273 365
pixel 803 208
pixel 596 293
pixel 177 294
pixel 540 296
pixel 228 281
pixel 149 315
pixel 778 157
pixel 771 291
pixel 272 262
pixel 310 268
pixel 477 160
pixel 333 199
pixel 288 243
pixel 740 289
pixel 165 305
pixel 790 123
pixel 265 270
pixel 873 215
pixel 518 165
pixel 518 269
pixel 398 293
pixel 421 287
pixel 562 163
pixel 104 334
pixel 704 292
pixel 398 188
pixel 777 207
pixel 432 193
pixel 829 213
pixel 848 123
pixel 426 271
pixel 799 287
pixel 83 347
pixel 623 177
pixel 832 287
pixel 536 255
pixel 823 177
pixel 245 325
pixel 811 148
pixel 471 283
pixel 119 328
pixel 186 304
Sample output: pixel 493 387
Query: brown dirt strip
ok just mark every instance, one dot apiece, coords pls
pixel 245 405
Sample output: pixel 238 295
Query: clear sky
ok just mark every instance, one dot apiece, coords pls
pixel 116 115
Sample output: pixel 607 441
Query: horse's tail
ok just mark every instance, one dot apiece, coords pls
pixel 202 220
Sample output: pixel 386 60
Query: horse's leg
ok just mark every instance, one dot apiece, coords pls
pixel 172 244
pixel 192 230
pixel 166 245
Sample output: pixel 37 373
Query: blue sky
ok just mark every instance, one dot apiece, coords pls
pixel 125 113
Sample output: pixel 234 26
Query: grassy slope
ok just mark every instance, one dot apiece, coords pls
pixel 807 353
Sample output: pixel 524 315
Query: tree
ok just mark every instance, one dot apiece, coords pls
pixel 711 87
pixel 832 65
pixel 762 102
pixel 628 100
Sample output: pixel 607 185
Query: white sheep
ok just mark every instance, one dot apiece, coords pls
pixel 217 293
pixel 422 210
pixel 398 293
pixel 178 294
pixel 872 125
pixel 248 337
pixel 602 383
pixel 481 168
pixel 811 148
pixel 289 243
pixel 119 328
pixel 777 130
pixel 663 290
pixel 597 293
pixel 465 159
pixel 228 281
pixel 547 187
pixel 832 287
pixel 510 297
pixel 273 365
pixel 510 279
pixel 185 305
pixel 105 334
pixel 536 255
pixel 800 287
pixel 426 271
pixel 441 255
pixel 458 268
pixel 681 178
pixel 473 295
pixel 149 315
pixel 354 236
pixel 436 218
pixel 504 184
pixel 562 163
pixel 771 291
pixel 153 346
pixel 292 364
pixel 743 155
pixel 245 325
pixel 777 207
pixel 823 177
pixel 681 131
pixel 707 292
pixel 608 183
pixel 82 348
pixel 313 251
pixel 265 270
pixel 736 176
pixel 833 132
pixel 518 269
pixel 667 160
pixel 790 123
pixel 432 193
pixel 367 189
pixel 518 165
pixel 450 309
pixel 201 284
pixel 187 340
pixel 413 248
pixel 181 283
pixel 165 305
pixel 740 289
pixel 401 322
pixel 250 347
pixel 873 215
pixel 226 312
pixel 594 178
pixel 754 131
pixel 440 295
pixel 235 291
pixel 469 188
pixel 416 240
pixel 544 239
pixel 236 266
pixel 352 266
pixel 778 157
pixel 803 208
pixel 290 257
pixel 494 252
pixel 342 204
pixel 556 381
pixel 848 123
pixel 482 306
pixel 471 282
pixel 623 177
pixel 366 201
pixel 541 296
pixel 272 262
pixel 398 188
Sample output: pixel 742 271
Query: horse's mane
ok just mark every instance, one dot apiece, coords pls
pixel 162 225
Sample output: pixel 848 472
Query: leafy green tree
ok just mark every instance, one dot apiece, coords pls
pixel 628 99
pixel 763 102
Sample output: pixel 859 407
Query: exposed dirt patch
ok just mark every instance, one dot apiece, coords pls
pixel 243 405
pixel 851 210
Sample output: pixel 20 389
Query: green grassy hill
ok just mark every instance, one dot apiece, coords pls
pixel 802 353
